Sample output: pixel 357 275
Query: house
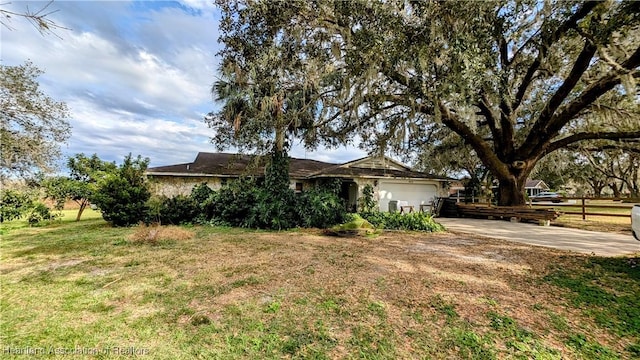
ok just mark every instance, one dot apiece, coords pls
pixel 535 187
pixel 391 180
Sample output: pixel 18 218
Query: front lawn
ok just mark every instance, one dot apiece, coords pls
pixel 203 292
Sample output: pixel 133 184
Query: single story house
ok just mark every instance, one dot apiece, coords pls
pixel 535 187
pixel 391 180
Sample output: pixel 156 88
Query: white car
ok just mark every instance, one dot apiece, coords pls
pixel 635 221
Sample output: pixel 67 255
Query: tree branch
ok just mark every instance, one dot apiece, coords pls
pixel 487 112
pixel 564 142
pixel 594 91
pixel 570 23
pixel 542 132
pixel 483 150
pixel 38 19
pixel 543 129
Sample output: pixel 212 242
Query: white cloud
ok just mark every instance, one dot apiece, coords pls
pixel 136 76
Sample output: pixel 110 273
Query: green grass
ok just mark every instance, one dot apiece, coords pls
pixel 240 294
pixel 609 288
pixel 608 291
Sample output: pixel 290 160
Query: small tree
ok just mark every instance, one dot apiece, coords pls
pixel 80 186
pixel 122 195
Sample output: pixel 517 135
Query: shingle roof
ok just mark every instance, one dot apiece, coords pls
pixel 342 171
pixel 232 165
pixel 225 164
pixel 536 184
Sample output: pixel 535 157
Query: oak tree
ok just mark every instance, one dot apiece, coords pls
pixel 515 80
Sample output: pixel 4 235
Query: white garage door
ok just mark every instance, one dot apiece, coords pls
pixel 413 193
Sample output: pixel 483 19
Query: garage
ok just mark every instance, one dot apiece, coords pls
pixel 414 193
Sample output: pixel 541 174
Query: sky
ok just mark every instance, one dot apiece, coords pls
pixel 136 76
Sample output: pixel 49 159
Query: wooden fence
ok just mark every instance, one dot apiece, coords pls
pixel 585 208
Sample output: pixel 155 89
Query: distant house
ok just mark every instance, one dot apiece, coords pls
pixel 391 180
pixel 534 187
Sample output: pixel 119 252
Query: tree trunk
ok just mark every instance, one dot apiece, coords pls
pixel 511 191
pixel 616 191
pixel 280 138
pixel 83 205
pixel 597 189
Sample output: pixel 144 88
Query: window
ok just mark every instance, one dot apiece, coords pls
pixel 299 187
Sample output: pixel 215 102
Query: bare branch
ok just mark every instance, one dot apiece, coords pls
pixel 39 19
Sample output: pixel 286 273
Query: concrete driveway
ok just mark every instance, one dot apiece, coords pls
pixel 583 241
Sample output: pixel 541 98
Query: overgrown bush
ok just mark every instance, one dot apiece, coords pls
pixel 417 221
pixel 205 199
pixel 367 202
pixel 275 206
pixel 273 210
pixel 122 196
pixel 321 207
pixel 176 210
pixel 14 204
pixel 234 202
pixel 247 202
pixel 39 213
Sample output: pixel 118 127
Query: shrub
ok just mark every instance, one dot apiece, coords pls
pixel 14 204
pixel 417 221
pixel 40 212
pixel 234 202
pixel 122 196
pixel 178 210
pixel 321 207
pixel 204 198
pixel 273 210
pixel 275 201
pixel 201 193
pixel 367 202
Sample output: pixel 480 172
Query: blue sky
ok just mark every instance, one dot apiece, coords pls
pixel 136 76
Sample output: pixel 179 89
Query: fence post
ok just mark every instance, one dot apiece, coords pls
pixel 584 210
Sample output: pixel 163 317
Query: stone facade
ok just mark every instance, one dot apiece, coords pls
pixel 171 186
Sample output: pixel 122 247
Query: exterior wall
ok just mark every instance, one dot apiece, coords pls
pixel 171 186
pixel 306 184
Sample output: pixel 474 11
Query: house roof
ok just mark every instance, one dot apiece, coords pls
pixel 233 165
pixel 536 184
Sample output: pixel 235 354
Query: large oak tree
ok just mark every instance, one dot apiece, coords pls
pixel 516 80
